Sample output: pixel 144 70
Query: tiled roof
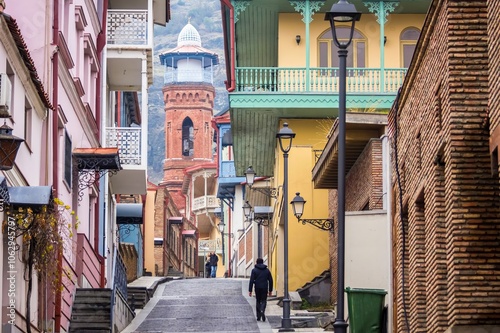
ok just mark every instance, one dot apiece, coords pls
pixel 28 61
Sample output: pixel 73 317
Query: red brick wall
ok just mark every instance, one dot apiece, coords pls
pixel 363 186
pixel 494 78
pixel 450 197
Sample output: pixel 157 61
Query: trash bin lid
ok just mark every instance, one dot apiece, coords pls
pixel 365 290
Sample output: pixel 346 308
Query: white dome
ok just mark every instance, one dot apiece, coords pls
pixel 189 36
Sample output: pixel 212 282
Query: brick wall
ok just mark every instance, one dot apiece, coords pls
pixel 363 189
pixel 450 216
pixel 494 78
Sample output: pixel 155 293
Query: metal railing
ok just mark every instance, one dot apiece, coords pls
pixel 317 79
pixel 128 141
pixel 127 27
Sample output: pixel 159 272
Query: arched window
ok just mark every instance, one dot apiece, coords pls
pixel 328 52
pixel 408 41
pixel 187 137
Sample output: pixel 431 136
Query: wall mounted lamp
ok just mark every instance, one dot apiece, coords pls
pixel 9 145
pixel 297 39
pixel 298 204
pixel 385 39
pixel 250 178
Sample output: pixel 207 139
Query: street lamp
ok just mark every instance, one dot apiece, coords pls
pixel 250 179
pixel 250 216
pixel 9 145
pixel 285 136
pixel 298 204
pixel 341 13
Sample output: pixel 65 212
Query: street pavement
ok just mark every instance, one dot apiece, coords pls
pixel 205 305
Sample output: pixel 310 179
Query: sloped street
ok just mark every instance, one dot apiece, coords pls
pixel 199 305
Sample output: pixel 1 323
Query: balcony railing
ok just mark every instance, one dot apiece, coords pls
pixel 127 27
pixel 128 141
pixel 228 169
pixel 205 202
pixel 317 80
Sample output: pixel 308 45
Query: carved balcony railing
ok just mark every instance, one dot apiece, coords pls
pixel 205 246
pixel 127 27
pixel 317 80
pixel 128 141
pixel 227 170
pixel 205 202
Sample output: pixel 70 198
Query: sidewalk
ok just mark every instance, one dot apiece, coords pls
pixel 274 313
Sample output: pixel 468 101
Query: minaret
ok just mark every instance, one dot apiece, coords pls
pixel 188 94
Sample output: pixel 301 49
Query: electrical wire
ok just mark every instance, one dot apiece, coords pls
pixel 401 216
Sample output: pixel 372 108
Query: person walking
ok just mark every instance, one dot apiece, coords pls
pixel 208 269
pixel 262 279
pixel 214 259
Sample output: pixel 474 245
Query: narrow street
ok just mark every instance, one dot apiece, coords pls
pixel 201 305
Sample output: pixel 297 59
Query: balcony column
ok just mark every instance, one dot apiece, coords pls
pixel 144 112
pixel 150 24
pixel 381 10
pixel 307 9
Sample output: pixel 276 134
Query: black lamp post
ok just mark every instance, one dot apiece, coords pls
pixel 221 229
pixel 341 13
pixel 9 145
pixel 285 136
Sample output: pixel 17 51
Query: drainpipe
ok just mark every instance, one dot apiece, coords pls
pixel 101 43
pixel 55 154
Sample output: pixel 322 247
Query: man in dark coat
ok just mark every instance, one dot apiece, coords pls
pixel 263 280
pixel 214 259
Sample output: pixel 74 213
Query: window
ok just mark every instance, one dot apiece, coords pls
pixel 187 137
pixel 409 38
pixel 67 159
pixel 28 123
pixel 328 52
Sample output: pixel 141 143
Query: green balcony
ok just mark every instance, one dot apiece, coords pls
pixel 316 87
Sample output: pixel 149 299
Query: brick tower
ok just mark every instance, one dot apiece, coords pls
pixel 188 94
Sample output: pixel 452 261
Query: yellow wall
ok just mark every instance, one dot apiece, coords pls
pixel 149 229
pixel 293 55
pixel 307 244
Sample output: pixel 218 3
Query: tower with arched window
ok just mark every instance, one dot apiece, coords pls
pixel 188 94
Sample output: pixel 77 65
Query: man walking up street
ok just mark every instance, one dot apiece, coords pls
pixel 263 280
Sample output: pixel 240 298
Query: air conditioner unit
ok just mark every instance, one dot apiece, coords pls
pixel 5 94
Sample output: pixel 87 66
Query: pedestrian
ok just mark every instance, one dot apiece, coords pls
pixel 262 279
pixel 214 259
pixel 207 267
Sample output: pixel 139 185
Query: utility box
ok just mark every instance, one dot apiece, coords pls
pixel 366 310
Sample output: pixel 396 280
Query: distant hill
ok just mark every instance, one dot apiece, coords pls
pixel 208 23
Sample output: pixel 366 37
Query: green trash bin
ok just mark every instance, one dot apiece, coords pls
pixel 366 307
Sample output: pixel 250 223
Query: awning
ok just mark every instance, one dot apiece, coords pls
pixel 158 241
pixel 265 212
pixel 189 233
pixel 97 158
pixel 129 213
pixel 30 196
pixel 175 220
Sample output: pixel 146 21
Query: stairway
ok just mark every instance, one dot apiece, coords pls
pixel 317 291
pixel 91 311
pixel 174 274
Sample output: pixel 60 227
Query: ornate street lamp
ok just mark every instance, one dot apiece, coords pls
pixel 9 145
pixel 285 136
pixel 250 178
pixel 341 13
pixel 298 204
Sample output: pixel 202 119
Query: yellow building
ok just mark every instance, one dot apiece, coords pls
pixel 283 67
